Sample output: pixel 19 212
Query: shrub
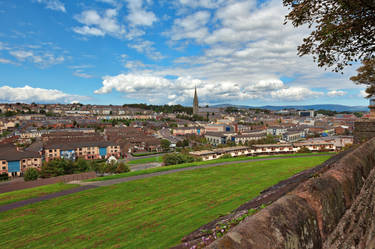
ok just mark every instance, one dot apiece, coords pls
pixel 4 177
pixel 110 167
pixel 304 150
pixel 99 168
pixel 227 155
pixel 122 168
pixel 31 174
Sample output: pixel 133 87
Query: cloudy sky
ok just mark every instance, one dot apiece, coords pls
pixel 157 51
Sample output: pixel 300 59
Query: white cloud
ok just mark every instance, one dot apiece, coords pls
pixel 336 93
pixel 266 85
pixel 21 55
pixel 29 94
pixel 53 5
pixel 3 46
pixel 209 4
pixel 138 15
pixel 130 83
pixel 99 24
pixel 191 27
pixel 295 94
pixel 85 30
pixel 6 61
pixel 111 2
pixel 43 59
pixel 156 89
pixel 81 74
pixel 362 94
pixel 146 47
pixel 246 42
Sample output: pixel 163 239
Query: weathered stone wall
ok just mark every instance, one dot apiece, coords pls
pixel 332 210
pixel 363 131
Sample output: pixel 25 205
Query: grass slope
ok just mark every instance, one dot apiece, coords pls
pixel 157 159
pixel 24 194
pixel 186 165
pixel 149 213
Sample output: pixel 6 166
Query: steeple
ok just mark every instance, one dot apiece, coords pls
pixel 195 103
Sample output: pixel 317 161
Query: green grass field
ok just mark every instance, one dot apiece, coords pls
pixel 157 159
pixel 148 213
pixel 185 165
pixel 24 194
pixel 145 153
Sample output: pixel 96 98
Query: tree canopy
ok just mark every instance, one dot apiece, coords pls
pixel 366 76
pixel 343 30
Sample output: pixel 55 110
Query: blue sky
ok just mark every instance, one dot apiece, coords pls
pixel 149 51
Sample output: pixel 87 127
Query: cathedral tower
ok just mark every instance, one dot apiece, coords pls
pixel 195 103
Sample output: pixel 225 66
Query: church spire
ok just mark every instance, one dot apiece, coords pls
pixel 195 103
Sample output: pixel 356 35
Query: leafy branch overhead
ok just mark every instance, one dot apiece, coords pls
pixel 343 31
pixel 366 76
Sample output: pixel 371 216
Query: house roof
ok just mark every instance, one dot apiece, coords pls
pixel 10 153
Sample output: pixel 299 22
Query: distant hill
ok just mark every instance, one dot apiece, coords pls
pixel 330 107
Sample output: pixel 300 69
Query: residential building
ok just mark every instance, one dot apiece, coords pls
pixel 182 131
pixel 216 138
pixel 15 162
pixel 80 149
pixel 249 137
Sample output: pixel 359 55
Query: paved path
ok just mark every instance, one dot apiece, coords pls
pixel 43 198
pixel 90 185
pixel 143 166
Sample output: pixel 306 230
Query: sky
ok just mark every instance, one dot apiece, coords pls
pixel 158 51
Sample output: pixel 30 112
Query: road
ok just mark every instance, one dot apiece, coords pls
pixel 90 185
pixel 166 134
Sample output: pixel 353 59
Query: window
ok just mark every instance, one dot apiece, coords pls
pixel 4 162
pixel 50 150
pixel 4 168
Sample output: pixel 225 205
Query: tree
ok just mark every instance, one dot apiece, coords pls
pixel 82 165
pixel 366 76
pixel 31 174
pixel 177 158
pixel 343 30
pixel 165 144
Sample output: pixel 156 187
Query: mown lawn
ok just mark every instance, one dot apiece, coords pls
pixel 149 213
pixel 186 165
pixel 157 159
pixel 24 194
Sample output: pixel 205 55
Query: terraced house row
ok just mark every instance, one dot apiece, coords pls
pixel 14 162
pixel 88 150
pixel 264 149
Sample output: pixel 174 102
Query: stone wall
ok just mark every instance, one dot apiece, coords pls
pixel 332 210
pixel 363 131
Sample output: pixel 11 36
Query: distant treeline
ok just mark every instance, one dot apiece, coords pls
pixel 162 108
pixel 333 113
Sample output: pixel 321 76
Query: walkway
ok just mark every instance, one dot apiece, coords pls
pixel 90 185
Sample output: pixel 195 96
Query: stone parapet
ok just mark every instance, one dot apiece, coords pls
pixel 321 212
